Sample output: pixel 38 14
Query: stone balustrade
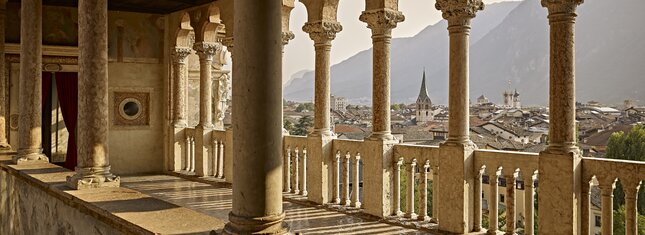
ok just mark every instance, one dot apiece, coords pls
pixel 509 165
pixel 607 172
pixel 295 162
pixel 420 166
pixel 416 161
pixel 347 176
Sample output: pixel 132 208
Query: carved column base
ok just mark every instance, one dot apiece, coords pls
pixel 262 225
pixel 93 177
pixel 30 156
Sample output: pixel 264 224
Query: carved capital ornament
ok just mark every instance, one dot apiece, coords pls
pixel 322 31
pixel 459 10
pixel 382 19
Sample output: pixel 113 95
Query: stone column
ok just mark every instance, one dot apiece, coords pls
pixel 560 163
pixel 93 169
pixel 607 186
pixel 180 55
pixel 381 22
pixel 322 33
pixel 29 100
pixel 206 51
pixel 457 216
pixel 4 143
pixel 257 145
pixel 319 142
pixel 179 122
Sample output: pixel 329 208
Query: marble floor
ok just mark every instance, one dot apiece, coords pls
pixel 216 201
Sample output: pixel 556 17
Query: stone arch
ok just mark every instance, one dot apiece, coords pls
pixel 182 35
pixel 207 23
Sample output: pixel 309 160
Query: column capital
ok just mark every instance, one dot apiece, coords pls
pixel 180 54
pixel 382 19
pixel 287 36
pixel 207 50
pixel 322 31
pixel 561 6
pixel 459 11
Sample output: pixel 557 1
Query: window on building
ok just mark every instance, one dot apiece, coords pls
pixel 501 198
pixel 597 220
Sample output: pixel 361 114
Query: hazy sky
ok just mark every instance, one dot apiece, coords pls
pixel 355 37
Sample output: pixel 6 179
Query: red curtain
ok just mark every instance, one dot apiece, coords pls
pixel 67 87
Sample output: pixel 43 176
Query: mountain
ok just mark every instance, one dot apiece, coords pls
pixel 352 78
pixel 509 41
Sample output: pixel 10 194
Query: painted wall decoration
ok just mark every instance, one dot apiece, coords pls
pixel 133 37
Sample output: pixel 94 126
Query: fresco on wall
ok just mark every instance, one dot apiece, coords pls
pixel 131 35
pixel 60 25
pixel 135 35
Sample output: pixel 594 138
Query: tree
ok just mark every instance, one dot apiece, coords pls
pixel 628 146
pixel 303 125
pixel 305 107
pixel 619 222
pixel 288 125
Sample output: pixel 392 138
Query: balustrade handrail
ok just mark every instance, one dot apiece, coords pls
pixel 528 162
pixel 352 146
pixel 421 153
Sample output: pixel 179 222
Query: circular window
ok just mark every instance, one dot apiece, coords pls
pixel 130 108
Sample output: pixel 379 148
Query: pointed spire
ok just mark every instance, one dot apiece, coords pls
pixel 423 93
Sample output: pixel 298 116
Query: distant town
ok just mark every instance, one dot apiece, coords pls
pixel 504 126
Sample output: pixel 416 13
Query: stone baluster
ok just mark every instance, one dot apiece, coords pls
pixel 4 143
pixel 435 194
pixel 397 187
pixel 381 22
pixel 296 172
pixel 93 169
pixel 192 154
pixel 336 182
pixel 30 86
pixel 187 154
pixel 287 170
pixel 584 204
pixel 456 214
pixel 607 186
pixel 630 187
pixel 560 162
pixel 346 175
pixel 220 165
pixel 493 199
pixel 529 201
pixel 214 160
pixel 257 183
pixel 410 195
pixel 304 172
pixel 180 60
pixel 356 182
pixel 477 226
pixel 510 201
pixel 423 190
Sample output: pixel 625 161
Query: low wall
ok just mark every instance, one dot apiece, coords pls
pixel 35 200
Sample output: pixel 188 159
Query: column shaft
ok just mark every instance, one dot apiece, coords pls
pixel 257 145
pixel 322 88
pixel 30 97
pixel 180 55
pixel 93 169
pixel 493 199
pixel 4 143
pixel 529 200
pixel 510 204
pixel 381 22
pixel 607 211
pixel 458 124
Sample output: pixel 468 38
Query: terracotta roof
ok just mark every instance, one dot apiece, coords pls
pixel 602 138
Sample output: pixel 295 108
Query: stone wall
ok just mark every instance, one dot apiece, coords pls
pixel 27 209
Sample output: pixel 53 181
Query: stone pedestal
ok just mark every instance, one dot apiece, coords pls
pixel 320 166
pixel 202 150
pixel 378 175
pixel 457 183
pixel 560 178
pixel 178 145
pixel 30 97
pixel 93 169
